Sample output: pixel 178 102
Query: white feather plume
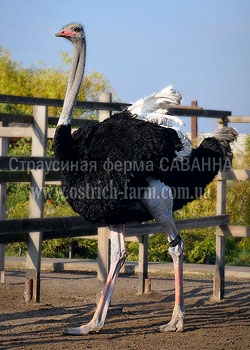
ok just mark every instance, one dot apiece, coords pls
pixel 153 108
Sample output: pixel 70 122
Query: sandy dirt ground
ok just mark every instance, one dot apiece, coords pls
pixel 68 300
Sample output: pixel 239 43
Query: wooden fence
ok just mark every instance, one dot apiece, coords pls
pixel 36 228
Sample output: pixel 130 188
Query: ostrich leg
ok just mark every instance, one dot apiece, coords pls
pixel 118 256
pixel 159 202
pixel 176 252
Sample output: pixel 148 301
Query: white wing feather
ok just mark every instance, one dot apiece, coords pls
pixel 153 108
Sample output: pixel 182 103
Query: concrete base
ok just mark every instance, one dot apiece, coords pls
pixel 154 269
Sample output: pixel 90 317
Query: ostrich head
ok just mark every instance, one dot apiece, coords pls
pixel 73 32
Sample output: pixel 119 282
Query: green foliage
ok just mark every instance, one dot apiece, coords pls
pixel 238 202
pixel 20 148
pixel 16 249
pixel 242 258
pixel 158 248
pixel 132 251
pixel 16 194
pixel 19 210
pixel 247 146
pixel 88 248
pixel 202 248
pixel 242 160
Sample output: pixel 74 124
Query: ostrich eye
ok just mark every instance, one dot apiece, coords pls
pixel 76 29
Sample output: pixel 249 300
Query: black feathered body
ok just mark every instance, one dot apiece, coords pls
pixel 113 160
pixel 188 178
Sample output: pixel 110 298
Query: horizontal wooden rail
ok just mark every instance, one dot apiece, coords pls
pixel 14 169
pixel 75 122
pixel 184 224
pixel 113 106
pixel 16 118
pixel 234 119
pixel 24 176
pixel 44 224
pixel 236 174
pixel 15 132
pixel 28 163
pixel 37 101
pixel 28 119
pixel 233 230
pixel 197 112
pixel 25 132
pixel 63 233
pixel 14 176
pixel 15 229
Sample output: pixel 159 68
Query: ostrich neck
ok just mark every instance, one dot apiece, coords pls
pixel 72 72
pixel 74 83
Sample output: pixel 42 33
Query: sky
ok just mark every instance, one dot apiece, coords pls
pixel 202 47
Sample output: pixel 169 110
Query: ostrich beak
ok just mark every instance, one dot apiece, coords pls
pixel 64 34
pixel 60 34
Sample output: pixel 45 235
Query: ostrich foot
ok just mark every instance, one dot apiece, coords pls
pixel 177 322
pixel 91 327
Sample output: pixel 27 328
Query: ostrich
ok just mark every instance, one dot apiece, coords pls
pixel 155 155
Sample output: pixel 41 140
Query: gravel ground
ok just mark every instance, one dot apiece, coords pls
pixel 68 300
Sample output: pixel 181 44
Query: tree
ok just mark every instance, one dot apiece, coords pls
pixel 44 82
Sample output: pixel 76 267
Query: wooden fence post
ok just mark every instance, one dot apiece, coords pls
pixel 103 259
pixel 219 277
pixel 104 97
pixel 143 265
pixel 194 124
pixel 3 192
pixel 103 232
pixel 37 183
